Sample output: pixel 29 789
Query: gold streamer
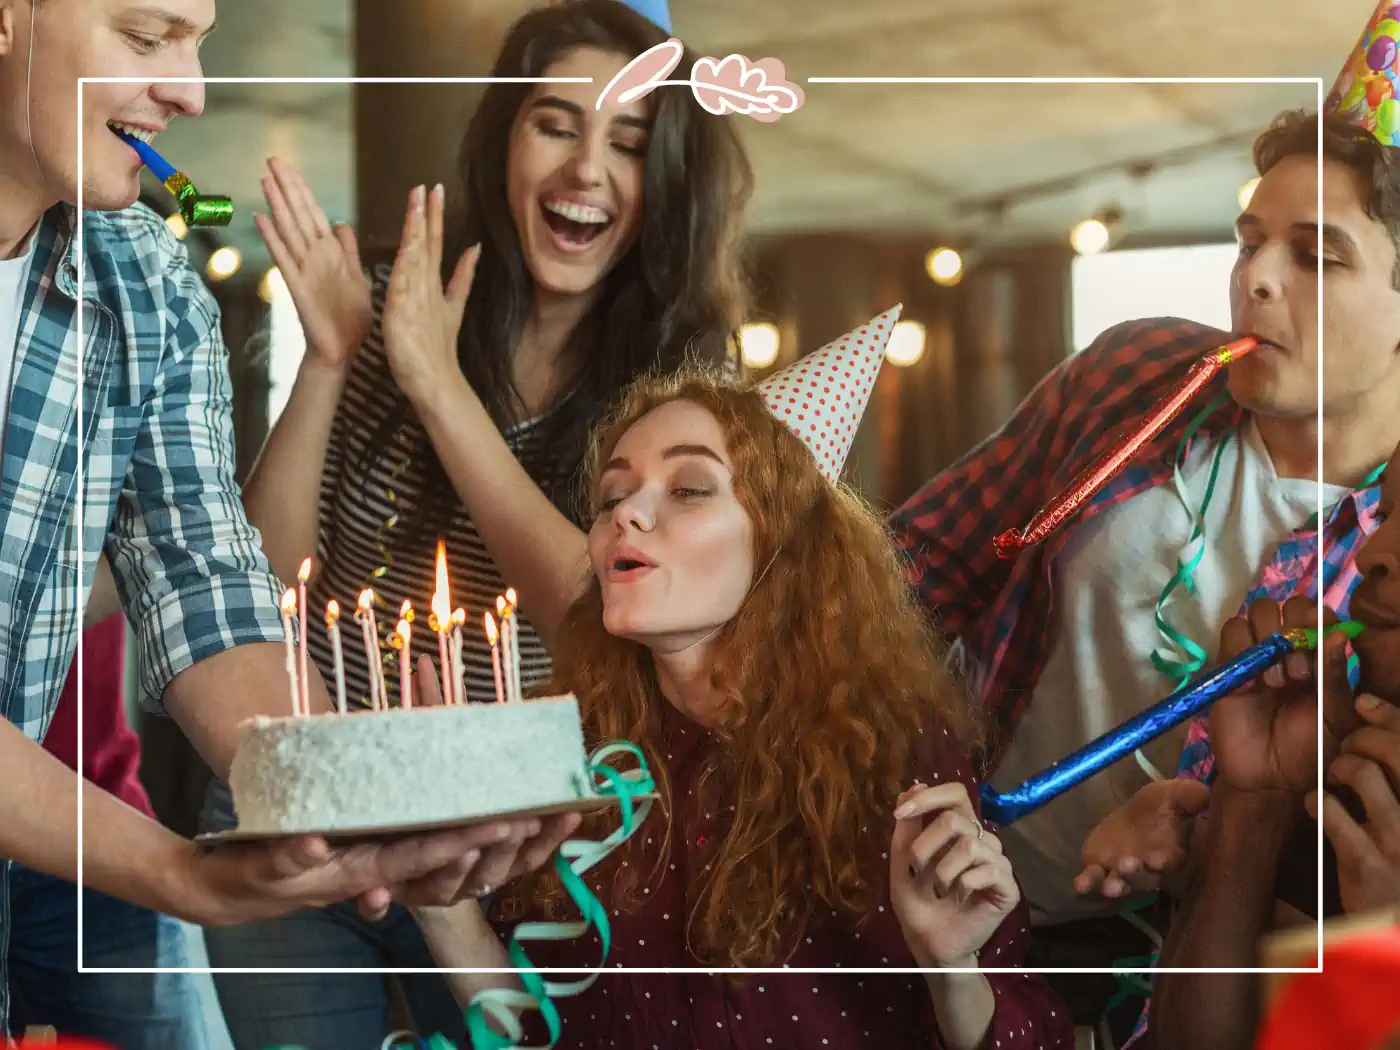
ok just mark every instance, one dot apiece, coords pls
pixel 386 649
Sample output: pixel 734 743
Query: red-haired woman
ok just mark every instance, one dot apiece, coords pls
pixel 748 628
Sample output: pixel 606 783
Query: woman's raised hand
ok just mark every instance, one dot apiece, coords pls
pixel 421 316
pixel 320 264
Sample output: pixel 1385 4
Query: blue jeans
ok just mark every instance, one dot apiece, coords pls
pixel 323 1011
pixel 130 1011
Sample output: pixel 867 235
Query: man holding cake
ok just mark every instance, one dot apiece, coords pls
pixel 1107 616
pixel 159 492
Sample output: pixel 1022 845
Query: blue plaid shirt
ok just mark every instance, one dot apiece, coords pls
pixel 158 489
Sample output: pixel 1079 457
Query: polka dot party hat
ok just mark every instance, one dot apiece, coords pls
pixel 822 395
pixel 1368 88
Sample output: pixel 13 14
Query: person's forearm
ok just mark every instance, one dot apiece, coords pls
pixel 540 553
pixel 963 1005
pixel 282 495
pixel 210 699
pixel 1227 910
pixel 125 853
pixel 103 600
pixel 460 936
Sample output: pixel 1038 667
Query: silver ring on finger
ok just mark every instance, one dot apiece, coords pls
pixel 482 891
pixel 980 831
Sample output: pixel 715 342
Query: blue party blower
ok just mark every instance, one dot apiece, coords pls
pixel 1009 806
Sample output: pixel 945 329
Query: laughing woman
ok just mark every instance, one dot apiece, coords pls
pixel 593 245
pixel 747 626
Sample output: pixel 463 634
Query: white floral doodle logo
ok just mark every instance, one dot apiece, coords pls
pixel 731 85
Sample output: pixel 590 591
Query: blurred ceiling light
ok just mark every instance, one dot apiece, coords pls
pixel 176 222
pixel 224 263
pixel 906 344
pixel 758 344
pixel 1089 237
pixel 272 286
pixel 944 266
pixel 1247 192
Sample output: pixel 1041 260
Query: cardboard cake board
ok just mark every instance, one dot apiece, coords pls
pixel 361 834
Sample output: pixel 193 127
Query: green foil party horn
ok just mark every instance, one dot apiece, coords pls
pixel 196 208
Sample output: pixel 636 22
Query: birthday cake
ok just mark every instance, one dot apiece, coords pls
pixel 372 770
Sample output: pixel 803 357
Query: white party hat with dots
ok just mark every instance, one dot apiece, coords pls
pixel 823 395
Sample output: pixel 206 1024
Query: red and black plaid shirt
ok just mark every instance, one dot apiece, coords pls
pixel 999 611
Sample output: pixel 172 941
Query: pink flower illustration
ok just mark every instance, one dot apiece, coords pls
pixel 730 85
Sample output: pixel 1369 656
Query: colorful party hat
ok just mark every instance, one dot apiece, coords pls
pixel 823 395
pixel 1365 91
pixel 657 12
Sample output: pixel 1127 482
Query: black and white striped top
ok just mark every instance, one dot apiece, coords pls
pixel 354 506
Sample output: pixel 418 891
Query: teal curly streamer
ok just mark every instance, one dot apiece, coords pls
pixel 574 858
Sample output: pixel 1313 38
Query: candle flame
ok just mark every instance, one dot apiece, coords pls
pixel 459 617
pixel 510 597
pixel 406 611
pixel 366 600
pixel 304 573
pixel 289 601
pixel 490 629
pixel 442 598
pixel 332 612
pixel 502 610
pixel 402 635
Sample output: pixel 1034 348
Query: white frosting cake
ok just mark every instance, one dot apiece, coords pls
pixel 382 769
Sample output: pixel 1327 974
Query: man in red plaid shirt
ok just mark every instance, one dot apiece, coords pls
pixel 1079 634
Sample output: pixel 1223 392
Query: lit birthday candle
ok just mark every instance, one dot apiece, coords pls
pixel 503 612
pixel 333 629
pixel 459 673
pixel 303 574
pixel 441 622
pixel 364 616
pixel 403 642
pixel 289 604
pixel 494 640
pixel 513 607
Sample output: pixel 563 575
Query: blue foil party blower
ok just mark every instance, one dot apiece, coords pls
pixel 197 209
pixel 1009 806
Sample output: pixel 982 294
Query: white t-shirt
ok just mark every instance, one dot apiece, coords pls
pixel 12 275
pixel 1100 673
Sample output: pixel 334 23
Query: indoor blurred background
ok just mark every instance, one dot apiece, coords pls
pixel 1015 221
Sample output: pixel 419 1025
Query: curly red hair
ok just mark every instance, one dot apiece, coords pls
pixel 818 734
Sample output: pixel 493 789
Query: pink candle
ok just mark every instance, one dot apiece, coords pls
pixel 303 574
pixel 289 601
pixel 494 639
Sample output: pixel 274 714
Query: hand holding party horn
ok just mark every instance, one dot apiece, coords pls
pixel 1008 807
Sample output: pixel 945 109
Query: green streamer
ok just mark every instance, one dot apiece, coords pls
pixel 574 858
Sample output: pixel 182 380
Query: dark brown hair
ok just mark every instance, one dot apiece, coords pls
pixel 678 294
pixel 1295 132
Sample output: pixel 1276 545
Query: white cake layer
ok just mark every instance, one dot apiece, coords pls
pixel 380 769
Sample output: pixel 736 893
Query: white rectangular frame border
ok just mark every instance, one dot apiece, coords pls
pixel 1318 84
